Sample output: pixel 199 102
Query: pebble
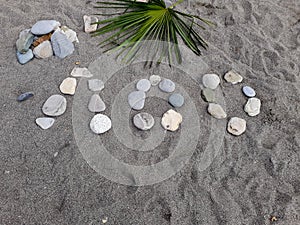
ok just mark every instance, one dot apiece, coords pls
pixel 44 27
pixel 216 111
pixel 45 122
pixel 26 57
pixel 25 96
pixel 236 126
pixel 167 85
pixel 252 107
pixel 176 100
pixel 143 121
pixel 233 77
pixel 96 104
pixel 88 20
pixel 55 105
pixel 171 120
pixel 25 40
pixel 100 124
pixel 136 100
pixel 81 72
pixel 62 46
pixel 68 86
pixel 154 80
pixel 208 95
pixel 43 50
pixel 71 34
pixel 248 91
pixel 211 81
pixel 95 84
pixel 143 85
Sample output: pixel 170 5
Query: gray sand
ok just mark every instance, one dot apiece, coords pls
pixel 254 177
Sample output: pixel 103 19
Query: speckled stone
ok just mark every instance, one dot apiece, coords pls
pixel 25 96
pixel 95 85
pixel 44 27
pixel 211 81
pixel 143 85
pixel 167 85
pixel 216 111
pixel 171 120
pixel 96 104
pixel 176 100
pixel 236 126
pixel 136 100
pixel 248 91
pixel 154 80
pixel 208 95
pixel 233 77
pixel 26 57
pixel 143 121
pixel 100 124
pixel 55 105
pixel 252 107
pixel 45 122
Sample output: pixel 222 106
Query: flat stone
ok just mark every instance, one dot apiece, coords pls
pixel 216 111
pixel 248 91
pixel 68 86
pixel 167 85
pixel 208 95
pixel 45 122
pixel 25 96
pixel 25 40
pixel 154 80
pixel 43 50
pixel 233 77
pixel 100 124
pixel 55 105
pixel 143 85
pixel 88 20
pixel 71 34
pixel 136 100
pixel 171 120
pixel 96 104
pixel 211 81
pixel 176 100
pixel 44 27
pixel 26 57
pixel 236 126
pixel 252 107
pixel 143 121
pixel 95 85
pixel 62 46
pixel 81 72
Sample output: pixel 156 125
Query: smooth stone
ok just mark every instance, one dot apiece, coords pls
pixel 81 72
pixel 143 85
pixel 252 107
pixel 45 122
pixel 55 105
pixel 176 100
pixel 62 46
pixel 96 104
pixel 233 77
pixel 171 120
pixel 25 40
pixel 248 91
pixel 143 121
pixel 95 85
pixel 44 27
pixel 43 50
pixel 68 86
pixel 208 95
pixel 71 34
pixel 154 80
pixel 211 81
pixel 216 111
pixel 26 57
pixel 236 126
pixel 100 124
pixel 136 100
pixel 25 96
pixel 88 20
pixel 167 85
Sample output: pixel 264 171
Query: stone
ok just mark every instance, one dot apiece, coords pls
pixel 252 107
pixel 167 85
pixel 233 77
pixel 81 72
pixel 55 105
pixel 96 104
pixel 143 85
pixel 44 50
pixel 45 122
pixel 208 95
pixel 236 126
pixel 100 124
pixel 26 57
pixel 44 27
pixel 71 34
pixel 62 46
pixel 143 121
pixel 25 40
pixel 171 120
pixel 88 26
pixel 68 86
pixel 168 3
pixel 211 81
pixel 216 111
pixel 25 96
pixel 176 100
pixel 248 91
pixel 41 39
pixel 154 80
pixel 136 100
pixel 95 85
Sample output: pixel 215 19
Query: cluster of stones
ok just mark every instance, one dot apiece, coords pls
pixel 171 119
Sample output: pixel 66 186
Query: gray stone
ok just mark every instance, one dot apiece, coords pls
pixel 154 80
pixel 176 100
pixel 236 126
pixel 62 46
pixel 208 95
pixel 44 27
pixel 143 85
pixel 211 81
pixel 45 122
pixel 252 107
pixel 81 72
pixel 233 77
pixel 95 84
pixel 43 50
pixel 71 34
pixel 167 85
pixel 248 91
pixel 100 124
pixel 171 120
pixel 88 26
pixel 25 96
pixel 55 105
pixel 26 57
pixel 143 121
pixel 25 40
pixel 136 100
pixel 216 111
pixel 96 104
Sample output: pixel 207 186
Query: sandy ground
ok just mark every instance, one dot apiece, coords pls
pixel 254 177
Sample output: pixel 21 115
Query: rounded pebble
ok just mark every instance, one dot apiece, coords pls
pixel 143 121
pixel 208 95
pixel 136 100
pixel 68 86
pixel 100 124
pixel 167 85
pixel 25 96
pixel 211 81
pixel 216 111
pixel 143 85
pixel 26 57
pixel 176 100
pixel 96 104
pixel 43 50
pixel 55 105
pixel 95 84
pixel 248 91
pixel 44 27
pixel 154 80
pixel 252 107
pixel 236 126
pixel 45 122
pixel 233 77
pixel 171 120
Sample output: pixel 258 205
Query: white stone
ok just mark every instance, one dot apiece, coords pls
pixel 45 122
pixel 96 104
pixel 233 77
pixel 236 126
pixel 143 121
pixel 100 124
pixel 95 84
pixel 71 34
pixel 68 86
pixel 154 80
pixel 216 111
pixel 252 106
pixel 171 120
pixel 136 100
pixel 88 20
pixel 81 72
pixel 43 50
pixel 44 27
pixel 211 81
pixel 143 85
pixel 55 105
